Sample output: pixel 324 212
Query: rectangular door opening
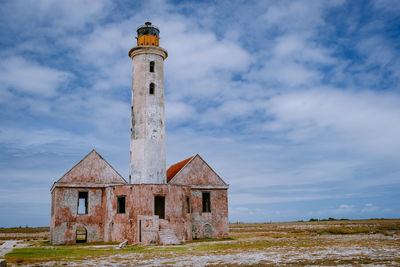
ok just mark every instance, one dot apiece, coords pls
pixel 159 206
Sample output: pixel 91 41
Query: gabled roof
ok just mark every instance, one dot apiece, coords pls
pixel 174 169
pixel 92 169
pixel 195 171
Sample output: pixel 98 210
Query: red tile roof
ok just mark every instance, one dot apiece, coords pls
pixel 174 169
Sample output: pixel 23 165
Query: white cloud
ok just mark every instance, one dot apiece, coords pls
pixel 38 138
pixel 297 48
pixel 26 76
pixel 56 15
pixel 367 121
pixel 198 61
pixel 178 112
pixel 228 110
pixel 293 16
pixel 369 208
pixel 344 209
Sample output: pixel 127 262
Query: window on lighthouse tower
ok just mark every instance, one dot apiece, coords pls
pixel 152 66
pixel 151 88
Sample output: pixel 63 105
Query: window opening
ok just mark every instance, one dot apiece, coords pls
pixel 83 203
pixel 81 235
pixel 159 206
pixel 151 88
pixel 187 205
pixel 206 202
pixel 152 66
pixel 121 204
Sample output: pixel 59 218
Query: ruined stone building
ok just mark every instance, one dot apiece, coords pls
pixel 92 202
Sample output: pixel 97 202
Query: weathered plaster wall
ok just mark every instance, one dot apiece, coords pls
pixel 103 223
pixel 147 146
pixel 198 172
pixel 178 220
pixel 199 175
pixel 216 220
pixel 149 229
pixel 65 219
pixel 119 227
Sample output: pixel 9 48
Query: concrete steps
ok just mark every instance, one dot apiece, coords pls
pixel 164 224
pixel 166 235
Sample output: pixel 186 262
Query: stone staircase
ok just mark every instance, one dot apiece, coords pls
pixel 166 235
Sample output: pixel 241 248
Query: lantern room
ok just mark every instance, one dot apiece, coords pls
pixel 148 34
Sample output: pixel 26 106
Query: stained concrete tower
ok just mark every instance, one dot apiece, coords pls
pixel 147 146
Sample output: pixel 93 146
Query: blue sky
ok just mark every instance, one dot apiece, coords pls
pixel 295 104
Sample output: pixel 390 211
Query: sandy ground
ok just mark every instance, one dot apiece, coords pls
pixel 282 245
pixel 339 255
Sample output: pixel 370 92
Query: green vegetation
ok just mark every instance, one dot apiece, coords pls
pixel 324 220
pixel 68 252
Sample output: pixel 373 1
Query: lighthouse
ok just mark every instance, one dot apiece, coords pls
pixel 92 202
pixel 147 140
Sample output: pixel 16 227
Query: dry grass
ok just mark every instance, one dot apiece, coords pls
pixel 24 233
pixel 25 230
pixel 299 243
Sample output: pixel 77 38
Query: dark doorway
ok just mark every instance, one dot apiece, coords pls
pixel 206 202
pixel 159 206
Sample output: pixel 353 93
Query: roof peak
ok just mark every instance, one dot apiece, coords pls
pixel 177 167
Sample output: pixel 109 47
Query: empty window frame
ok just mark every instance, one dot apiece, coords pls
pixel 187 205
pixel 206 202
pixel 83 202
pixel 151 66
pixel 151 88
pixel 121 204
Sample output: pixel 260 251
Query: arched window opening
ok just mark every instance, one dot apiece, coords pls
pixel 151 88
pixel 81 235
pixel 152 66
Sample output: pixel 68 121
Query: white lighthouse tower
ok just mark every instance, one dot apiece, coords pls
pixel 147 145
